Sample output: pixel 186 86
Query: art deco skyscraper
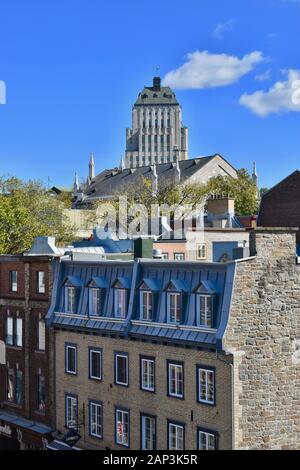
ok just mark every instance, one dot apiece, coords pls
pixel 157 134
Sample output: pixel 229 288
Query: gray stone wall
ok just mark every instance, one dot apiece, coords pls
pixel 263 336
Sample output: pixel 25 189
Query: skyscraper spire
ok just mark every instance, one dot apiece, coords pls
pixel 91 167
pixel 122 164
pixel 76 184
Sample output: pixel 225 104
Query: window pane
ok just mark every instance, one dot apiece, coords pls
pixel 71 415
pixel 41 345
pixel 122 427
pixel 148 374
pixel 13 281
pixel 175 437
pixel 120 303
pixel 71 359
pixel 148 433
pixel 9 330
pixel 95 301
pixel 121 370
pixel 41 287
pixel 96 419
pixel 70 299
pixel 18 387
pixel 19 331
pixel 95 364
pixel 41 394
pixel 11 385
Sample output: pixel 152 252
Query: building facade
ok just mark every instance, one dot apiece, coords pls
pixel 26 406
pixel 155 354
pixel 157 134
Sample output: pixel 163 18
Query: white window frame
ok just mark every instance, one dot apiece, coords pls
pixel 94 301
pixel 19 333
pixel 152 431
pixel 13 282
pixel 70 300
pixel 96 412
pixel 201 251
pixel 120 307
pixel 209 382
pixel 9 340
pixel 120 415
pixel 146 307
pixel 91 352
pixel 176 429
pixel 208 311
pixel 208 436
pixel 178 369
pixel 72 406
pixel 67 347
pixel 179 256
pixel 147 374
pixel 124 384
pixel 178 298
pixel 41 285
pixel 42 336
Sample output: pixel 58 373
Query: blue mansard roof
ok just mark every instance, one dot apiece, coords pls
pixel 159 276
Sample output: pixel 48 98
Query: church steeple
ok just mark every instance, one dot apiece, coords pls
pixel 91 167
pixel 254 174
pixel 76 184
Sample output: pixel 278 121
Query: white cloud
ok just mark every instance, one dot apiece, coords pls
pixel 263 77
pixel 282 97
pixel 205 70
pixel 223 28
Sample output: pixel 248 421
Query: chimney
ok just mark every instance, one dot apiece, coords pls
pixel 156 84
pixel 143 248
pixel 220 211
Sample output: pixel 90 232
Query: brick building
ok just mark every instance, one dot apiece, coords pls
pixel 26 406
pixel 158 354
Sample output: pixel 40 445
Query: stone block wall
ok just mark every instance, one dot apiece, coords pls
pixel 263 335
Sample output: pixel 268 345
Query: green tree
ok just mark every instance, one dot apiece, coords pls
pixel 27 210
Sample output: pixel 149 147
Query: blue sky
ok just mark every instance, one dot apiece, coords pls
pixel 73 69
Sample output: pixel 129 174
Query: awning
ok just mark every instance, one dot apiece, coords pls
pixel 20 422
pixel 59 445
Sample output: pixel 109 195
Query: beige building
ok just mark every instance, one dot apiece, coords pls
pixel 157 134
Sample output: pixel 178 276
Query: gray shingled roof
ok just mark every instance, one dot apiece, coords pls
pixel 149 96
pixel 111 182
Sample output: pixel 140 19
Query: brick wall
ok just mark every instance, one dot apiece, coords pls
pixel 188 411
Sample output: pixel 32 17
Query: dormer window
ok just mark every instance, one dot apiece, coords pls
pixel 205 310
pixel 71 285
pixel 120 303
pixel 206 298
pixel 94 301
pixel 174 307
pixel 146 299
pixel 96 286
pixel 70 296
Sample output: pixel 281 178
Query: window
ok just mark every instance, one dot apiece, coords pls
pixel 122 427
pixel 165 256
pixel 95 365
pixel 96 419
pixel 174 309
pixel 206 385
pixel 148 432
pixel 179 257
pixel 13 281
pixel 9 331
pixel 207 440
pixel 146 305
pixel 41 286
pixel 19 332
pixel 41 336
pixel 121 369
pixel 175 379
pixel 71 359
pixel 70 296
pixel 175 436
pixel 205 310
pixel 14 386
pixel 201 251
pixel 94 301
pixel 71 411
pixel 14 332
pixel 147 371
pixel 120 303
pixel 41 398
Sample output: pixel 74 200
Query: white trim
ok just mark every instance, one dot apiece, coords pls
pixel 96 405
pixel 173 326
pixel 174 394
pixel 207 371
pixel 124 384
pixel 143 387
pixel 70 346
pixel 90 364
